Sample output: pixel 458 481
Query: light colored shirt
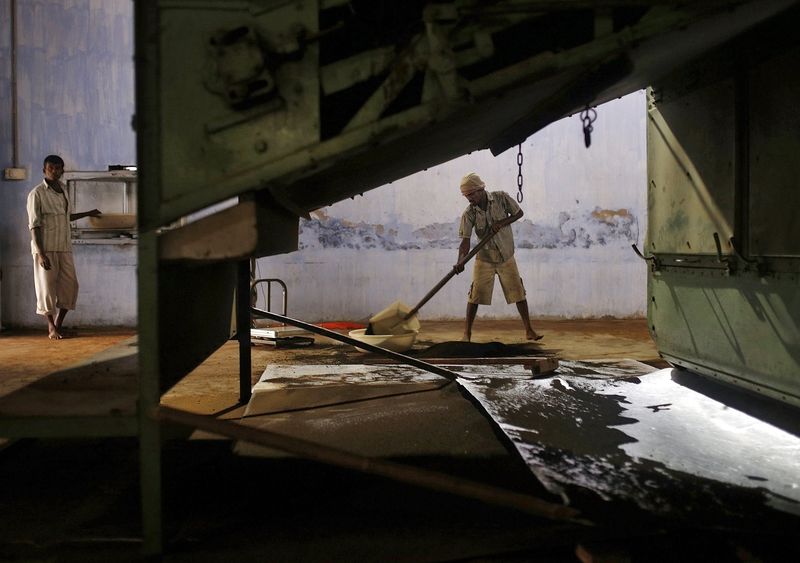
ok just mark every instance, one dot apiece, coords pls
pixel 499 206
pixel 49 210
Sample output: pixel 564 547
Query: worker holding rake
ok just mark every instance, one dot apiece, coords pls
pixel 491 212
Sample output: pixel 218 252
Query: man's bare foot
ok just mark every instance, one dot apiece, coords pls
pixel 53 334
pixel 533 335
pixel 466 338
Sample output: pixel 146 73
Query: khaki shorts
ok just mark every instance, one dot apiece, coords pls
pixel 480 292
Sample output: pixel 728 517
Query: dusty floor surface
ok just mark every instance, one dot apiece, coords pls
pixel 27 355
pixel 78 500
pixel 206 391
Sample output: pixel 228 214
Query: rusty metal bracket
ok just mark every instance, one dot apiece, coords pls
pixel 655 263
pixel 761 266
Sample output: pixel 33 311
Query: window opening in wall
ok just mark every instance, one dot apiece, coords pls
pixel 113 192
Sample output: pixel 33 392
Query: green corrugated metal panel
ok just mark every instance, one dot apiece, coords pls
pixel 690 144
pixel 774 164
pixel 741 328
pixel 722 146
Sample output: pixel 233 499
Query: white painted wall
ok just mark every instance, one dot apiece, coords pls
pixel 583 210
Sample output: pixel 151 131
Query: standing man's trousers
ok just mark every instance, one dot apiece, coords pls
pixel 56 288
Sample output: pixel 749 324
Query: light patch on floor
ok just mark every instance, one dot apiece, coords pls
pixel 617 431
pixel 626 432
pixel 725 444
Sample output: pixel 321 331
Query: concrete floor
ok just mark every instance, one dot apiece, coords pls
pixel 27 355
pixel 206 391
pixel 77 500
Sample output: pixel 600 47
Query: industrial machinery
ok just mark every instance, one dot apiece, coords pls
pixel 114 193
pixel 290 106
pixel 723 238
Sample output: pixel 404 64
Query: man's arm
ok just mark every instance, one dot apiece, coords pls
pixel 463 250
pixel 35 224
pixel 82 214
pixel 507 221
pixel 38 246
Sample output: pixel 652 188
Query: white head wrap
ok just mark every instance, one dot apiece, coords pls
pixel 471 183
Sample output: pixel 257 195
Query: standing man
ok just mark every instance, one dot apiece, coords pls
pixel 491 212
pixel 51 245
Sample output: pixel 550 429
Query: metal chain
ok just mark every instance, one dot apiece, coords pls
pixel 519 173
pixel 588 116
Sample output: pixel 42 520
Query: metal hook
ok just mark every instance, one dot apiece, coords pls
pixel 656 264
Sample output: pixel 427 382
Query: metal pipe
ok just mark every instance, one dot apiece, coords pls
pixel 269 281
pixel 14 112
pixel 243 329
pixel 438 370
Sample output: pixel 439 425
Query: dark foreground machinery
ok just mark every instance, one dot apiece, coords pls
pixel 281 107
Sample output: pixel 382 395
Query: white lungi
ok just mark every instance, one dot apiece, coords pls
pixel 56 288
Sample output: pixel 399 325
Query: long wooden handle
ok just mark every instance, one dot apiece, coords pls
pixel 450 274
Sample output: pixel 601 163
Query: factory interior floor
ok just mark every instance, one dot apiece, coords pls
pixel 78 500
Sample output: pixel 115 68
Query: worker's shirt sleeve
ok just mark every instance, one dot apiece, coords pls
pixel 510 205
pixel 34 210
pixel 467 223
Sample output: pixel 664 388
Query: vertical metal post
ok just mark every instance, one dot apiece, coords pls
pixel 14 88
pixel 146 26
pixel 149 395
pixel 243 328
pixel 741 211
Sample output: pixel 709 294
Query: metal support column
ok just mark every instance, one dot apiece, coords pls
pixel 243 329
pixel 149 395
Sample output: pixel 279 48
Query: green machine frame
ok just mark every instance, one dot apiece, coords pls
pixel 723 237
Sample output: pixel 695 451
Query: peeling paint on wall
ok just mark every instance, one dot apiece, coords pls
pixel 580 229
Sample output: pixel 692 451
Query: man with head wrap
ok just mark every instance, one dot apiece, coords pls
pixel 491 212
